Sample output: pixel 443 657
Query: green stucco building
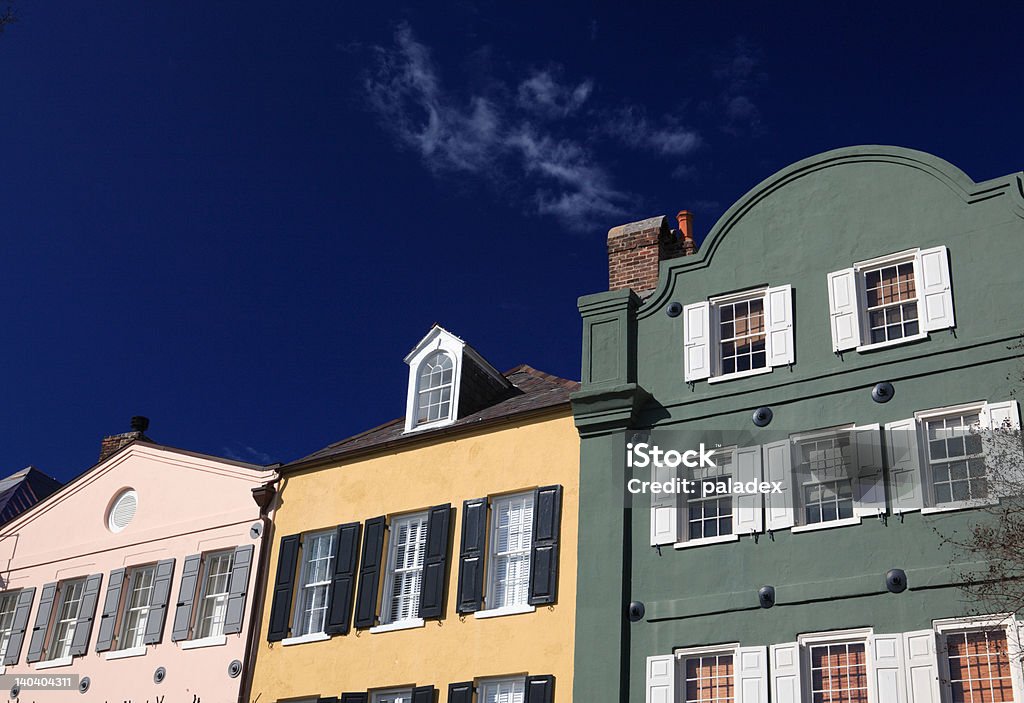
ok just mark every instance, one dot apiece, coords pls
pixel 857 267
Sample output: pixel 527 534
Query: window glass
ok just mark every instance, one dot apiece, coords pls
pixel 825 469
pixel 70 595
pixel 956 458
pixel 891 302
pixel 741 335
pixel 511 541
pixel 503 691
pixel 214 594
pixel 839 673
pixel 7 603
pixel 709 679
pixel 317 563
pixel 979 667
pixel 434 390
pixel 405 560
pixel 136 609
pixel 710 514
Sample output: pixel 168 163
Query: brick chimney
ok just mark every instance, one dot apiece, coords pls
pixel 636 250
pixel 114 443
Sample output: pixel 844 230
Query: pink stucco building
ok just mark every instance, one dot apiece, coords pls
pixel 139 577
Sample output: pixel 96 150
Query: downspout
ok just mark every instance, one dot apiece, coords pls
pixel 265 496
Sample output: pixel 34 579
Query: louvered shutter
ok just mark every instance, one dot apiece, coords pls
pixel 664 507
pixel 779 511
pixel 357 697
pixel 921 667
pixel 186 597
pixel 547 522
pixel 35 644
pixel 696 342
pixel 284 588
pixel 748 515
pixel 778 306
pixel 869 486
pixel 887 665
pixel 471 555
pixel 661 679
pixel 785 668
pixel 843 309
pixel 238 587
pixel 461 692
pixel 435 562
pixel 158 598
pixel 424 694
pixel 935 292
pixel 19 624
pixel 1001 442
pixel 86 614
pixel 906 476
pixel 751 675
pixel 111 605
pixel 343 580
pixel 540 689
pixel 369 572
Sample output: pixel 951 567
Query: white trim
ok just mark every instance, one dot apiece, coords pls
pixel 212 641
pixel 701 541
pixel 409 624
pixel 975 406
pixel 54 663
pixel 748 294
pixel 728 648
pixel 507 610
pixel 894 258
pixel 845 522
pixel 740 374
pixel 303 639
pixel 959 505
pixel 126 653
pixel 437 339
pixel 892 342
pixel 820 433
pixel 3 669
pixel 947 625
pixel 855 634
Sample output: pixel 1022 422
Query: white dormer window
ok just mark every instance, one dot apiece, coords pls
pixel 434 388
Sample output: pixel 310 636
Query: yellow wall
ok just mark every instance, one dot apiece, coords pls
pixel 457 648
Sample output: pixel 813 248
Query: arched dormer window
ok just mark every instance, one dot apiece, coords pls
pixel 434 388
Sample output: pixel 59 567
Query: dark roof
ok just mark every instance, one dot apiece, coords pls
pixel 531 391
pixel 21 490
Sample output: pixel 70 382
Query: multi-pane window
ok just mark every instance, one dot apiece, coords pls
pixel 434 390
pixel 213 598
pixel 317 562
pixel 403 696
pixel 741 336
pixel 709 514
pixel 511 540
pixel 405 568
pixel 70 599
pixel 136 609
pixel 839 673
pixel 891 302
pixel 708 679
pixel 956 458
pixel 979 667
pixel 502 691
pixel 7 603
pixel 824 469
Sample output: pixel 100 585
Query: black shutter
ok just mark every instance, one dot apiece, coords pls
pixel 343 580
pixel 281 608
pixel 540 689
pixel 108 616
pixel 86 613
pixel 186 597
pixel 369 572
pixel 238 586
pixel 362 696
pixel 471 555
pixel 424 694
pixel 35 645
pixel 158 598
pixel 19 625
pixel 435 563
pixel 332 699
pixel 460 692
pixel 547 519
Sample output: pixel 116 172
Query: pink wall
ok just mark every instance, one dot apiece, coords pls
pixel 187 504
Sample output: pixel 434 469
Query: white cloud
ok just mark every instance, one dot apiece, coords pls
pixel 543 95
pixel 668 138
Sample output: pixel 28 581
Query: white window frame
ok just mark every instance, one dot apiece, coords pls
pixel 861 269
pixel 683 506
pixel 800 523
pixel 389 576
pixel 518 684
pixel 1004 621
pixel 438 339
pixel 7 598
pixel 308 590
pixel 716 303
pixel 219 600
pixel 420 390
pixel 490 599
pixel 389 695
pixel 135 573
pixel 860 635
pixel 62 599
pixel 924 458
pixel 681 655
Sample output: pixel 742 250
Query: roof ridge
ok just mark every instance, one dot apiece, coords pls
pixel 537 373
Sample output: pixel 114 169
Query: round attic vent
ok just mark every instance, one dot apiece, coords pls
pixel 123 510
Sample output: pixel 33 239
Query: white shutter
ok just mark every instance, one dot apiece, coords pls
pixel 751 675
pixel 786 673
pixel 664 507
pixel 778 306
pixel 696 342
pixel 779 510
pixel 922 673
pixel 934 290
pixel 887 665
pixel 748 511
pixel 661 679
pixel 1005 415
pixel 906 475
pixel 843 309
pixel 869 492
pixel 1001 442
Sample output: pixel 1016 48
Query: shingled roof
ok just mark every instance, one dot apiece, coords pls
pixel 532 391
pixel 23 489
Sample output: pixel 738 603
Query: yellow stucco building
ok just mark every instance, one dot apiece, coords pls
pixel 431 559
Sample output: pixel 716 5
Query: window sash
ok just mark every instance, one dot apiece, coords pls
pixel 948 473
pixel 314 580
pixel 502 691
pixel 708 678
pixel 753 337
pixel 878 319
pixel 213 596
pixel 818 472
pixel 136 609
pixel 70 593
pixel 435 382
pixel 724 505
pixel 8 601
pixel 510 548
pixel 844 675
pixel 977 666
pixel 406 549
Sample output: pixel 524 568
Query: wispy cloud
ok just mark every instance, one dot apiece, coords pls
pixel 738 71
pixel 667 138
pixel 243 452
pixel 543 95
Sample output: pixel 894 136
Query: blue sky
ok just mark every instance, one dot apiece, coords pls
pixel 237 218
